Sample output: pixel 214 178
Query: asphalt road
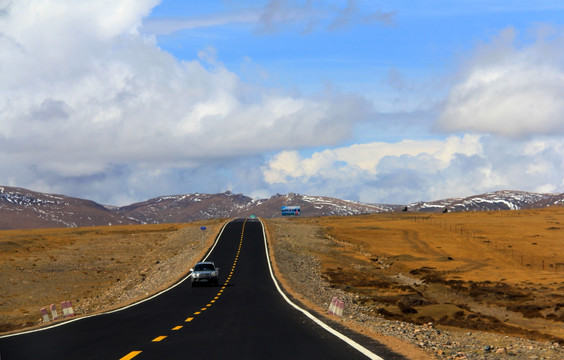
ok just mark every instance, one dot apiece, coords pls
pixel 245 317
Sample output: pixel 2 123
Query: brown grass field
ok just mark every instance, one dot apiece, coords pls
pixel 94 267
pixel 494 271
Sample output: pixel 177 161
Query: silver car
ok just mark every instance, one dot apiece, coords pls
pixel 205 273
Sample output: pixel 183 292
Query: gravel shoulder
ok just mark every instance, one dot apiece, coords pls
pixel 296 249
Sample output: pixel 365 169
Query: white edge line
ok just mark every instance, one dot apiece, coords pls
pixel 326 327
pixel 121 308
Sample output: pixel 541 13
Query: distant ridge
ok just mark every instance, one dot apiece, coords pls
pixel 497 200
pixel 184 208
pixel 26 209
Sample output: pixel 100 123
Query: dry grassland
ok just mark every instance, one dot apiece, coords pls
pixel 494 271
pixel 95 268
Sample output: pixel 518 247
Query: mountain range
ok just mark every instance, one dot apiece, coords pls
pixel 26 209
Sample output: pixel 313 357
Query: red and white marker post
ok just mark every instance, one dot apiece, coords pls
pixel 54 313
pixel 336 307
pixel 45 315
pixel 67 309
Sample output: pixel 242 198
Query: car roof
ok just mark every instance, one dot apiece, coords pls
pixel 206 262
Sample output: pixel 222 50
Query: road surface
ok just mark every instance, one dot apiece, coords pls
pixel 245 317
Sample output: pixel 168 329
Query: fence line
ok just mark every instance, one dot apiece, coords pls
pixel 552 264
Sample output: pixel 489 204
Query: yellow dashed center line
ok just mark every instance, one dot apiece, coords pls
pixel 131 355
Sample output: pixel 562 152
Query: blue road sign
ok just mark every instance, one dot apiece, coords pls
pixel 291 210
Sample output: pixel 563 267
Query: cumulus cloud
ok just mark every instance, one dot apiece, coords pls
pixel 367 157
pixel 510 89
pixel 410 171
pixel 92 107
pixel 86 99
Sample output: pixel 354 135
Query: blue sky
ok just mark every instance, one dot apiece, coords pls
pixel 384 102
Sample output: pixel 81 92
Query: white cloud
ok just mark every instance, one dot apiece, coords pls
pixel 510 90
pixel 86 99
pixel 421 170
pixel 276 15
pixel 367 157
pixel 92 107
pixel 165 26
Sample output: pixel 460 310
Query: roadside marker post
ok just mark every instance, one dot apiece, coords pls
pixel 336 307
pixel 331 309
pixel 45 315
pixel 54 313
pixel 340 307
pixel 67 309
pixel 71 310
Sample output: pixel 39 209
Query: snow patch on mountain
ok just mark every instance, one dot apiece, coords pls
pixel 21 208
pixel 498 200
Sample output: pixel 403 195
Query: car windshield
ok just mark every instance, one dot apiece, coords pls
pixel 204 267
